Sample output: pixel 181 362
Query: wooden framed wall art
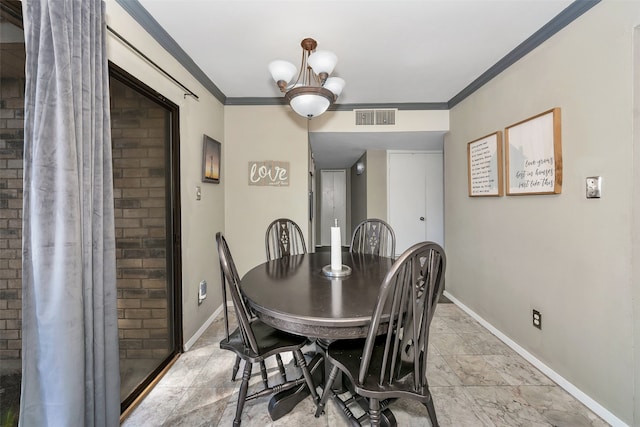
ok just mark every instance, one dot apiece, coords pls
pixel 210 160
pixel 534 155
pixel 484 166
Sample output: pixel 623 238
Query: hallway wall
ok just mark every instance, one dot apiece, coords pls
pixel 564 255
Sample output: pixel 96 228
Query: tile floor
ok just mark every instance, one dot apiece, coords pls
pixel 475 380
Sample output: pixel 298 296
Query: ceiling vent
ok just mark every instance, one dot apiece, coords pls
pixel 375 117
pixel 364 117
pixel 385 117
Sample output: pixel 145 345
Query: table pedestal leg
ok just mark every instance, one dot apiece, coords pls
pixel 282 403
pixel 337 386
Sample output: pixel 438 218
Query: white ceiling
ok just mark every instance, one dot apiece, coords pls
pixel 389 51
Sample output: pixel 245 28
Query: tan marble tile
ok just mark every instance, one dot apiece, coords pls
pixel 156 407
pixel 464 325
pixel 439 373
pixel 475 380
pixel 185 370
pixel 204 416
pixel 559 407
pixel 455 408
pixel 200 406
pixel 439 326
pixel 487 343
pixel 452 344
pixel 517 371
pixel 505 406
pixel 474 370
pixel 449 310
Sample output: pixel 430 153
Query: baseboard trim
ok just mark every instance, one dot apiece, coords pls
pixel 554 376
pixel 199 332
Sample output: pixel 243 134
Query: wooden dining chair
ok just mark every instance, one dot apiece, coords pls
pixel 253 341
pixel 391 362
pixel 373 236
pixel 283 237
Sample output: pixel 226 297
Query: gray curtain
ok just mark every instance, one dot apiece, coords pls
pixel 70 363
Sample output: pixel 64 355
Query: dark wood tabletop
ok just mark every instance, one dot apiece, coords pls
pixel 294 295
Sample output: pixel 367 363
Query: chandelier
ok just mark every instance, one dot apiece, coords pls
pixel 313 91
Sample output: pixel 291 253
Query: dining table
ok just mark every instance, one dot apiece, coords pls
pixel 300 294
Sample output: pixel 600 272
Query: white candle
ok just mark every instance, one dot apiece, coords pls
pixel 336 249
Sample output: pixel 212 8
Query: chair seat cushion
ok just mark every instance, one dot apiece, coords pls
pixel 270 341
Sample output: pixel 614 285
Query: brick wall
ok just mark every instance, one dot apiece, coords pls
pixel 138 131
pixel 139 137
pixel 11 155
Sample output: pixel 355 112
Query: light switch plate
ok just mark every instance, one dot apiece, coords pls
pixel 594 187
pixel 198 193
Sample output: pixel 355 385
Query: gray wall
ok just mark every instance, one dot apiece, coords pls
pixel 201 219
pixel 376 170
pixel 358 194
pixel 569 257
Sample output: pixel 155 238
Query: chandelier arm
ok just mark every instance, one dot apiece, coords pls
pixel 303 64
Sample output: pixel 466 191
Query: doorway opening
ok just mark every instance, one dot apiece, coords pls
pixel 333 206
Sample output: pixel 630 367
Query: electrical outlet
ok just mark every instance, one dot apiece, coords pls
pixel 537 319
pixel 202 291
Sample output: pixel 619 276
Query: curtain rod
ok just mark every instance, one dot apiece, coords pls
pixel 125 41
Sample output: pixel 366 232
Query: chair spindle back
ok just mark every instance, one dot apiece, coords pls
pixel 283 238
pixel 411 289
pixel 374 236
pixel 228 267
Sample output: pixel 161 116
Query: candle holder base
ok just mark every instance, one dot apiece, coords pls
pixel 343 272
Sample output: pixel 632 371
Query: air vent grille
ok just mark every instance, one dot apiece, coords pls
pixel 385 117
pixel 364 117
pixel 375 117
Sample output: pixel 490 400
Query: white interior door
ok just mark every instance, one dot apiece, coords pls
pixel 333 204
pixel 416 189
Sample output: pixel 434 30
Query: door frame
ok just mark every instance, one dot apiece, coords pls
pixel 174 248
pixel 389 154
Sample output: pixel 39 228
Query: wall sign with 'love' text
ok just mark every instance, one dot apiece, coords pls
pixel 269 173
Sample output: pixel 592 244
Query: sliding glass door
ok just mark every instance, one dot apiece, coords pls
pixel 144 127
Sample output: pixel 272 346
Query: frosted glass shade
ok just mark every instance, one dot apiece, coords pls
pixel 309 105
pixel 322 61
pixel 282 70
pixel 335 85
pixel 309 101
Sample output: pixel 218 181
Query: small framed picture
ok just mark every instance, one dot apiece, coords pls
pixel 210 160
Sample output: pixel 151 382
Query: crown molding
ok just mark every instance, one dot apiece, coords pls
pixel 564 18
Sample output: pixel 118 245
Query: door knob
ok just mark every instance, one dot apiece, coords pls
pixel 421 218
